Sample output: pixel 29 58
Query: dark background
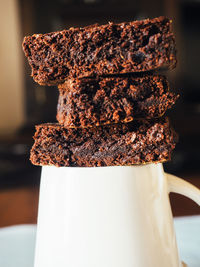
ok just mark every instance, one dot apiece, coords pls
pixel 18 178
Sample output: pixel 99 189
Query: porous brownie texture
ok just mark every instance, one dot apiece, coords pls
pixel 111 145
pixel 92 102
pixel 101 50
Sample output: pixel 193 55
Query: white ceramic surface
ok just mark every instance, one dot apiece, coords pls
pixel 17 245
pixel 106 217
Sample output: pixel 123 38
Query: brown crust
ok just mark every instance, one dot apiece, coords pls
pixel 113 145
pixel 100 50
pixel 92 102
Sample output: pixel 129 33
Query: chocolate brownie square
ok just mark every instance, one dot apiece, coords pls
pixel 98 50
pixel 137 142
pixel 92 102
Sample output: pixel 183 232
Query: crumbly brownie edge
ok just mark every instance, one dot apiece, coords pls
pixel 114 145
pixel 101 50
pixel 94 102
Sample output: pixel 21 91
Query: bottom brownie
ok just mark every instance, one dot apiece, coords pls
pixel 113 145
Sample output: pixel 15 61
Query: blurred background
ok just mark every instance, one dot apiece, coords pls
pixel 23 103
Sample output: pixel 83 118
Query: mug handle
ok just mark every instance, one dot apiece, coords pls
pixel 180 186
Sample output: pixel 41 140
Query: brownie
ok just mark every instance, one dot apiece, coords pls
pixel 111 145
pixel 95 50
pixel 92 102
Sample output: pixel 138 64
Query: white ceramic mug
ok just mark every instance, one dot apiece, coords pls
pixel 108 217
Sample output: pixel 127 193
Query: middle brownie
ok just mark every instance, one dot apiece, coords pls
pixel 91 102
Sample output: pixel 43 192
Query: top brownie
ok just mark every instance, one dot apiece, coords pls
pixel 101 50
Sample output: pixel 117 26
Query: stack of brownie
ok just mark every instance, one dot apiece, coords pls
pixel 111 98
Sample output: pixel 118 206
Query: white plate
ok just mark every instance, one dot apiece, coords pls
pixel 188 238
pixel 17 245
